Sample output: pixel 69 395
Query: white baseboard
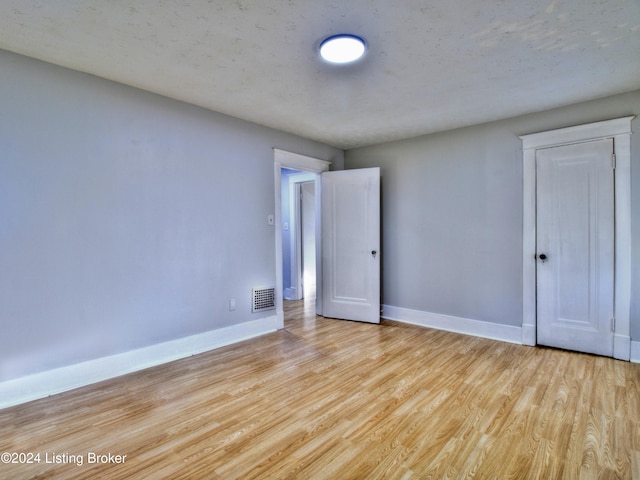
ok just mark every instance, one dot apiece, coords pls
pixel 43 384
pixel 467 326
pixel 635 352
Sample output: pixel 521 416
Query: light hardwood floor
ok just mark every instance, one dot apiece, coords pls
pixel 327 399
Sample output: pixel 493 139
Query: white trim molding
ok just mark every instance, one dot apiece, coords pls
pixel 619 130
pixel 283 159
pixel 44 384
pixel 300 162
pixel 635 352
pixel 466 326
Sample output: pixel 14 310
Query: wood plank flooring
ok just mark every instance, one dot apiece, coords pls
pixel 328 399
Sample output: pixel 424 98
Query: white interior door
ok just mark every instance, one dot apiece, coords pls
pixel 351 244
pixel 575 246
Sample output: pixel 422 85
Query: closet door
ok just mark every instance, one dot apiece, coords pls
pixel 575 246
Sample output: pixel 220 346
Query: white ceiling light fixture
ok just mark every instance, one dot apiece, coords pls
pixel 343 48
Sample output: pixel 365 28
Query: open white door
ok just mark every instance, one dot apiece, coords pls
pixel 351 244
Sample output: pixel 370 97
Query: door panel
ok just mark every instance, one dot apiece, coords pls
pixel 575 246
pixel 351 244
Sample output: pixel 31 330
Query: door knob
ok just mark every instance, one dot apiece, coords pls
pixel 374 253
pixel 542 257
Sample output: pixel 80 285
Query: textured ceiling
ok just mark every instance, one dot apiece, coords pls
pixel 432 65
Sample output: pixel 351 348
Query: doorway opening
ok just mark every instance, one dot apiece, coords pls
pixel 304 170
pixel 298 235
pixel 347 238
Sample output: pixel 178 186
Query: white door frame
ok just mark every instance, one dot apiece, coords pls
pixel 283 159
pixel 620 130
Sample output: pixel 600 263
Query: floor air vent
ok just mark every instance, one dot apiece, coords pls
pixel 263 299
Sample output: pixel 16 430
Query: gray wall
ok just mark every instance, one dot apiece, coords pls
pixel 452 213
pixel 127 218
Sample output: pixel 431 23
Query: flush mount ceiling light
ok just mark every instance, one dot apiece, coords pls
pixel 344 48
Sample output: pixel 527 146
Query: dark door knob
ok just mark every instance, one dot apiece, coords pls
pixel 542 257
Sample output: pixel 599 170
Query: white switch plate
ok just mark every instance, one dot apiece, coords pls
pixel 232 304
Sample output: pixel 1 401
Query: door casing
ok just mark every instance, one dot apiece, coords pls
pixel 620 131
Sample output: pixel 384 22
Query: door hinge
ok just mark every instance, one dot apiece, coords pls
pixel 613 161
pixel 613 324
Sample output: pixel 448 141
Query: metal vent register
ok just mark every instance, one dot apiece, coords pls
pixel 263 299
